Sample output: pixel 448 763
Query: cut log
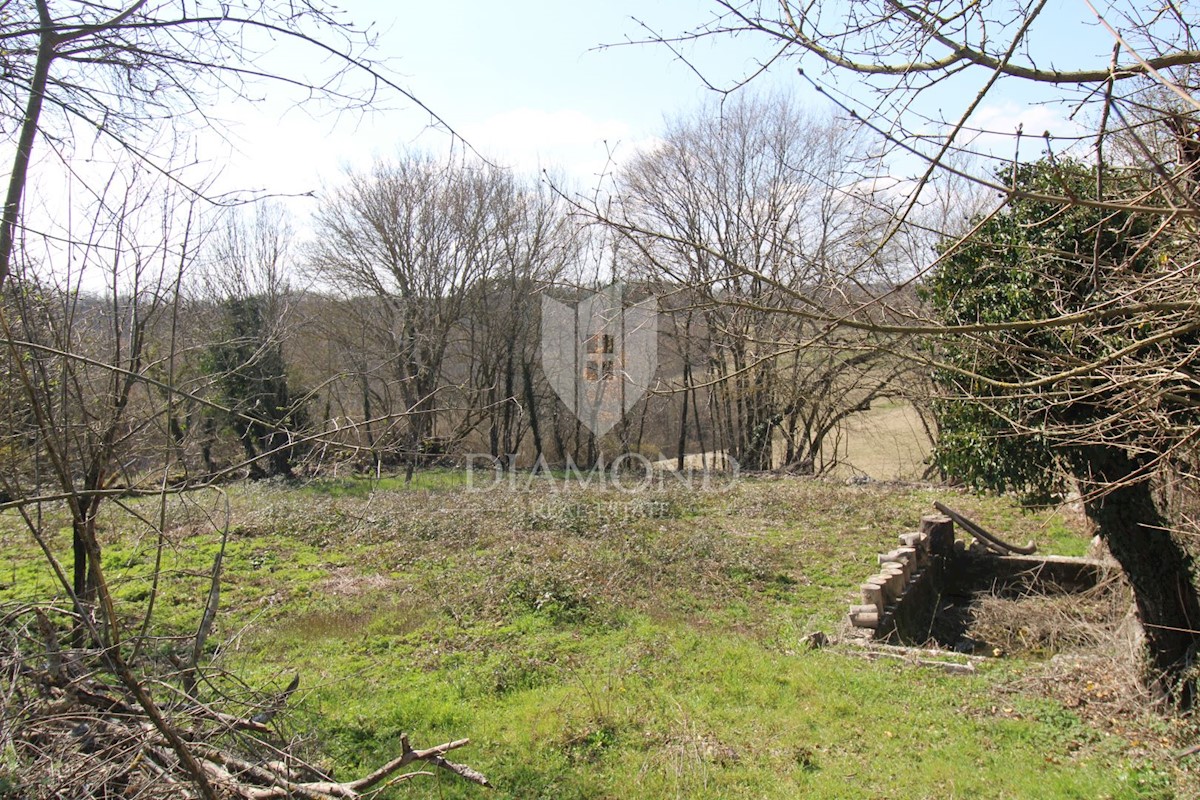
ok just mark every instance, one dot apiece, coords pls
pixel 919 542
pixel 940 530
pixel 864 617
pixel 902 557
pixel 893 588
pixel 872 593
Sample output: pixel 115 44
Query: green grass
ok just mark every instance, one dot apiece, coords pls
pixel 657 710
pixel 365 485
pixel 595 643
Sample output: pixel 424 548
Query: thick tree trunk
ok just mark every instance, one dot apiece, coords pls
pixel 1158 568
pixel 245 434
pixel 281 455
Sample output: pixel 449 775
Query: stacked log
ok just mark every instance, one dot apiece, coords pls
pixel 900 568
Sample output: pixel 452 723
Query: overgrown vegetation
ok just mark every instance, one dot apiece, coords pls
pixel 594 639
pixel 596 643
pixel 1102 403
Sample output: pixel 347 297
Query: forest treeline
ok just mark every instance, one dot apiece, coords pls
pixel 405 328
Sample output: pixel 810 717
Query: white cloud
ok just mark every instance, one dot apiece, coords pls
pixel 996 127
pixel 299 154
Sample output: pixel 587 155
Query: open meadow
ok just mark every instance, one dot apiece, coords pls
pixel 598 643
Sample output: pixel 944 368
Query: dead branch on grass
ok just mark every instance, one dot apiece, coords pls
pixel 76 732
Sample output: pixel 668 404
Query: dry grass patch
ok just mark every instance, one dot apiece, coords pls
pixel 1047 623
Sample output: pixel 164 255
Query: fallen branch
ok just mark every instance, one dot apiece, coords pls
pixel 83 715
pixel 945 666
pixel 915 652
pixel 274 785
pixel 989 540
pixel 914 655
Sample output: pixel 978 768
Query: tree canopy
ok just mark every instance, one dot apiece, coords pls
pixel 1018 399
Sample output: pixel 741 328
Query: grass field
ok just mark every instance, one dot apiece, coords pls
pixel 595 643
pixel 886 443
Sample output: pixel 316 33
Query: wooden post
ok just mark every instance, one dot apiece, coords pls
pixel 864 617
pixel 872 593
pixel 920 543
pixel 903 557
pixel 893 587
pixel 940 530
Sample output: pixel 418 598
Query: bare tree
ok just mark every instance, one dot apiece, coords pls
pixel 749 211
pixel 82 364
pixel 504 395
pixel 441 247
pixel 132 76
pixel 129 84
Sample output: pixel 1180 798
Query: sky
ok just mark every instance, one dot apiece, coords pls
pixel 552 85
pixel 548 84
pixel 527 83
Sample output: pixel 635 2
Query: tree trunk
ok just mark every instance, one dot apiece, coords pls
pixel 86 552
pixel 699 428
pixel 365 387
pixel 280 458
pixel 209 428
pixel 245 434
pixel 681 449
pixel 531 407
pixel 79 579
pixel 1158 569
